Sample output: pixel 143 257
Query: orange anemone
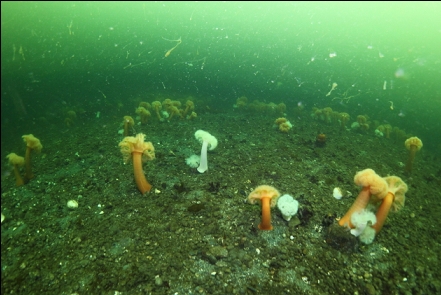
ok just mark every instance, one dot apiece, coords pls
pixel 139 151
pixel 16 161
pixel 267 196
pixel 413 144
pixel 373 184
pixel 32 143
pixel 128 124
pixel 394 199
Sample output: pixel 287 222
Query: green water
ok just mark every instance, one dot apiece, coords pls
pixel 55 53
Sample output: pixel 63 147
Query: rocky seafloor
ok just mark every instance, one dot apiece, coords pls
pixel 196 233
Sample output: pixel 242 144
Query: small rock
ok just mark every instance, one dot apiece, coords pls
pixel 218 252
pixel 158 280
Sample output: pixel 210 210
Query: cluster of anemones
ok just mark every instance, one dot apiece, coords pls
pixel 258 106
pixel 329 116
pixel 32 144
pixel 388 191
pixel 283 124
pixel 166 110
pixel 174 108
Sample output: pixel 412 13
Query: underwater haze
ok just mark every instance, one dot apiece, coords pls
pixel 74 52
pixel 299 95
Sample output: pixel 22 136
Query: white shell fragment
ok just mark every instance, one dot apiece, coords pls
pixel 72 204
pixel 337 193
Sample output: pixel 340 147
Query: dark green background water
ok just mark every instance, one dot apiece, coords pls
pixel 98 54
